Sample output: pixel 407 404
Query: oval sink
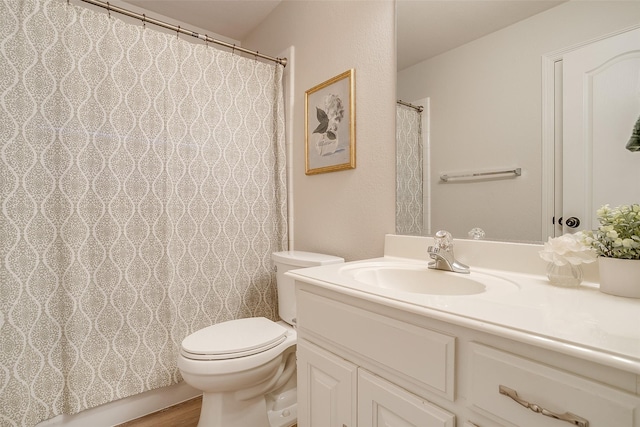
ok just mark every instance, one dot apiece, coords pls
pixel 423 280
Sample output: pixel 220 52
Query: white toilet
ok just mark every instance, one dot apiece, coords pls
pixel 246 367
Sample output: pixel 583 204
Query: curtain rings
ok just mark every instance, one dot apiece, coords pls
pixel 256 56
pixel 109 10
pixel 206 39
pixel 144 21
pixel 178 32
pixel 233 50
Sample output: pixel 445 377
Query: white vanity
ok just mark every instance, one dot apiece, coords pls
pixel 519 352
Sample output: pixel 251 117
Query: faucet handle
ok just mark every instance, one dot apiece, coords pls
pixel 443 240
pixel 476 233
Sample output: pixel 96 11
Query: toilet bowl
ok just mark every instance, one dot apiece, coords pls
pixel 246 368
pixel 234 385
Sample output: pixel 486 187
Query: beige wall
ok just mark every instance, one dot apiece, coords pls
pixel 344 213
pixel 486 106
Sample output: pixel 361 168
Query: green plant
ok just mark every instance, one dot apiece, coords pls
pixel 618 235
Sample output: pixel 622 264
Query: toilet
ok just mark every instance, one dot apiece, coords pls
pixel 246 368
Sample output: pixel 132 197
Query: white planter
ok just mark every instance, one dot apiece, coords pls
pixel 620 277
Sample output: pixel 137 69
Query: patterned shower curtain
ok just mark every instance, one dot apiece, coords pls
pixel 142 191
pixel 409 155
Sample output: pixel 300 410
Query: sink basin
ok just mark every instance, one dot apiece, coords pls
pixel 415 278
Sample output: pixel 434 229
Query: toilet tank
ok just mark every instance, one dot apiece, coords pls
pixel 291 260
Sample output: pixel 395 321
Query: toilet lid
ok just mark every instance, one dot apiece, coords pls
pixel 234 338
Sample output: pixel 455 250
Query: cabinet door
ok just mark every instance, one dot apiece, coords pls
pixel 383 404
pixel 326 388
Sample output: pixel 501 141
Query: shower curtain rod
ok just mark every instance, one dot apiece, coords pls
pixel 178 29
pixel 419 108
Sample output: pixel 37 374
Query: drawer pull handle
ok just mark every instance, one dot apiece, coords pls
pixel 567 416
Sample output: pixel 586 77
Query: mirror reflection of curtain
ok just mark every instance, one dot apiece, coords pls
pixel 142 191
pixel 409 155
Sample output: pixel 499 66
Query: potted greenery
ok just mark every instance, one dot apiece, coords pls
pixel 617 243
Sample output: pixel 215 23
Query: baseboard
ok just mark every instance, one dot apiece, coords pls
pixel 123 410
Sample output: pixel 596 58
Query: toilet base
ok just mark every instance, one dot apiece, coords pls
pixel 223 410
pixel 282 408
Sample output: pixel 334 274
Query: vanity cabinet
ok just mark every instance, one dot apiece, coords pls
pixel 333 392
pixel 363 362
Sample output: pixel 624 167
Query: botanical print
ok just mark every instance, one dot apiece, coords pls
pixel 327 143
pixel 329 132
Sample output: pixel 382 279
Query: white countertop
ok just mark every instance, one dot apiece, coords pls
pixel 581 322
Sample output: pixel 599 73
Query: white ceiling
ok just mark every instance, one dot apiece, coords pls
pixel 425 27
pixel 234 19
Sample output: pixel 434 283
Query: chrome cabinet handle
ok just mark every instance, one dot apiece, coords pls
pixel 573 419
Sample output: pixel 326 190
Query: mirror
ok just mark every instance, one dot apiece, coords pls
pixel 485 109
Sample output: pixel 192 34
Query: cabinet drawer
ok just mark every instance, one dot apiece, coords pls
pixel 551 389
pixel 420 355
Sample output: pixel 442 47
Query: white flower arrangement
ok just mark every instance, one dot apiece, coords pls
pixel 618 235
pixel 568 249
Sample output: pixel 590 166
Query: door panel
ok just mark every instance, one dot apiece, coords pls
pixel 601 103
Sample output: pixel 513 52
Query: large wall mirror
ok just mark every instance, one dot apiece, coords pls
pixel 489 144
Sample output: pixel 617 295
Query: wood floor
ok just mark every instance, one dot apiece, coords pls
pixel 185 414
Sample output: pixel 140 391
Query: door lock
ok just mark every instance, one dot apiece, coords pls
pixel 571 222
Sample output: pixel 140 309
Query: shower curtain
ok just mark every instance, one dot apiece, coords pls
pixel 142 191
pixel 409 155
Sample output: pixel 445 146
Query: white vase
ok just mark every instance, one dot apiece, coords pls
pixel 567 275
pixel 620 277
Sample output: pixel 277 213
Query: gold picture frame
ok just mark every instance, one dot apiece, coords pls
pixel 330 125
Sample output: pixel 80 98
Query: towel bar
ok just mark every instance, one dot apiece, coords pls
pixel 515 172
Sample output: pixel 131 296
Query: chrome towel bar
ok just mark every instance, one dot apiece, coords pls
pixel 515 172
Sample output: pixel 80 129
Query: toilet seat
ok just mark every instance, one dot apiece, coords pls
pixel 233 339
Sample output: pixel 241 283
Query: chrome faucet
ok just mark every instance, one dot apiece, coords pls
pixel 442 254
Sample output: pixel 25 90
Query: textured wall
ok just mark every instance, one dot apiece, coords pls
pixel 344 213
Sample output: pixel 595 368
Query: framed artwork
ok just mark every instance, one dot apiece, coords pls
pixel 330 125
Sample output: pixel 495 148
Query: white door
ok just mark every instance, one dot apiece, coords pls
pixel 601 104
pixel 382 404
pixel 326 388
